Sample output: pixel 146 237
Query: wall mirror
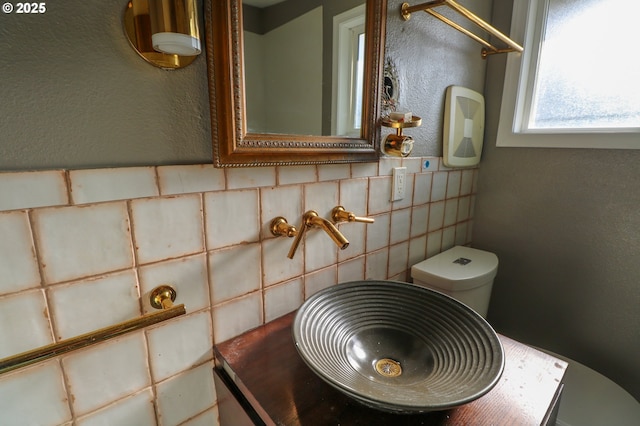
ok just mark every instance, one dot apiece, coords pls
pixel 294 82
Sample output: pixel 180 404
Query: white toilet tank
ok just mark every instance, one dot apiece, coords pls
pixel 464 273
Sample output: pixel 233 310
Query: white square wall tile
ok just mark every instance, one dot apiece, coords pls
pixel 354 195
pixel 250 177
pixel 333 172
pixel 364 169
pixel 434 243
pixel 379 195
pixel 176 180
pixel 450 211
pixel 24 323
pixel 439 186
pixel 21 190
pixel 92 186
pixel 319 280
pixel 413 164
pixel 180 344
pixel 288 175
pixel 448 237
pixel 277 267
pixel 398 259
pixel 319 249
pixel 107 372
pixel 187 276
pixel 167 227
pixel 430 164
pixel 282 299
pixel 321 197
pixel 133 410
pixel 232 217
pixel 419 220
pixel 376 264
pixel 422 188
pixel 234 272
pixel 417 250
pixel 34 396
pixel 378 232
pixel 18 264
pixel 453 184
pixel 356 233
pixel 237 316
pixel 88 305
pixel 436 215
pixel 186 395
pixel 466 182
pixel 81 241
pixel 281 201
pixel 400 226
pixel 351 270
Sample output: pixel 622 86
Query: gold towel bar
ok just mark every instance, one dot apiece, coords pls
pixel 489 49
pixel 161 298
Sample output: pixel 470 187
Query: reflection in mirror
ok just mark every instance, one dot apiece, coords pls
pixel 282 94
pixel 304 66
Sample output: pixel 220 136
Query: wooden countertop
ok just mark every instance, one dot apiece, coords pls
pixel 266 369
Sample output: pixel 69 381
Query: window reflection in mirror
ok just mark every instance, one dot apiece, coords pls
pixel 304 66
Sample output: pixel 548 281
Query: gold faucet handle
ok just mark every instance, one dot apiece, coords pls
pixel 280 227
pixel 339 214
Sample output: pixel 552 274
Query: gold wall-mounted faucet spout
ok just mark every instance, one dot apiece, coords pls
pixel 339 214
pixel 311 220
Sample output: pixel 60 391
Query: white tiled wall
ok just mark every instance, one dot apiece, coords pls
pixel 82 249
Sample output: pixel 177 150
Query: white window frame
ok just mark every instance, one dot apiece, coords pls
pixel 347 26
pixel 526 24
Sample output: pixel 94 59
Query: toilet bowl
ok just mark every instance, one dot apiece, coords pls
pixel 588 398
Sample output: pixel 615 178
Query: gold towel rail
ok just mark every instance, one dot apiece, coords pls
pixel 489 49
pixel 161 298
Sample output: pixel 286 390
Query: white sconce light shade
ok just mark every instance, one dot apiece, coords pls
pixel 164 32
pixel 174 27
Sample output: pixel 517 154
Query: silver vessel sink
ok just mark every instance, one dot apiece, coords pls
pixel 398 347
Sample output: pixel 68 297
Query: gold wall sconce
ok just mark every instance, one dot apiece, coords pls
pixel 164 32
pixel 399 145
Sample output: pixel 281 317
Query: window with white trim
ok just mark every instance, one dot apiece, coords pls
pixel 577 84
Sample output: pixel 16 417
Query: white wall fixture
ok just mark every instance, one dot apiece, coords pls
pixel 164 32
pixel 463 131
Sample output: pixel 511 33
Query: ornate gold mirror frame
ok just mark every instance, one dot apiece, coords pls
pixel 234 147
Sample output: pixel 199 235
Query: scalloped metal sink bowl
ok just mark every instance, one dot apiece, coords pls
pixel 398 347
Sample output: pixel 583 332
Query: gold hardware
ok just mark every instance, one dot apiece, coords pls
pixel 138 26
pixel 489 49
pixel 388 367
pixel 280 227
pixel 164 295
pixel 311 220
pixel 399 145
pixel 339 214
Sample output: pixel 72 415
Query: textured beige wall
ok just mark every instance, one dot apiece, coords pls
pixel 565 225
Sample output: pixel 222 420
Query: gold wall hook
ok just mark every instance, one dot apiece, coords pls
pixel 339 214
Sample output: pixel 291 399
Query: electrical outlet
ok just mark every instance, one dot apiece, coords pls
pixel 399 183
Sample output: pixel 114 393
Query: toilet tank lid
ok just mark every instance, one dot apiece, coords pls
pixel 459 268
